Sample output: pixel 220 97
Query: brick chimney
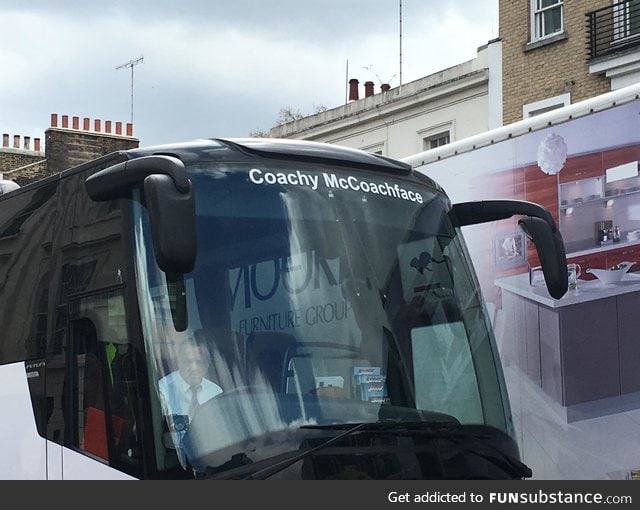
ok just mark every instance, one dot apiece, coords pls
pixel 368 88
pixel 353 89
pixel 70 141
pixel 65 148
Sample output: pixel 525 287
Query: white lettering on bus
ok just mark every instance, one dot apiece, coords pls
pixel 296 178
pixel 353 184
pixel 348 183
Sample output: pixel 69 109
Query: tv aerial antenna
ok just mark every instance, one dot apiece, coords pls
pixel 131 64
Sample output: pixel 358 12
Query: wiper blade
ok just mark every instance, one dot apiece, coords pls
pixel 464 440
pixel 392 426
pixel 507 463
pixel 350 428
pixel 469 440
pixel 279 466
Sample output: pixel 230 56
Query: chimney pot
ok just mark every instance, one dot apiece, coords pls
pixel 96 125
pixel 368 88
pixel 118 128
pixel 54 120
pixel 65 121
pixel 27 142
pixel 107 126
pixel 385 87
pixel 86 124
pixel 36 144
pixel 5 139
pixel 16 141
pixel 76 122
pixel 129 129
pixel 353 89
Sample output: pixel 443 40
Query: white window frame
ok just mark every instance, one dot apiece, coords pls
pixel 435 137
pixel 537 19
pixel 545 105
pixel 432 132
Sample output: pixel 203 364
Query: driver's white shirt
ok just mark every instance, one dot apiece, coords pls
pixel 176 393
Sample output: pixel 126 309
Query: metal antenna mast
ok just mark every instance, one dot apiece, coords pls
pixel 131 65
pixel 400 18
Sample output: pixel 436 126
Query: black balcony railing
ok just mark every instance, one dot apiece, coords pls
pixel 614 28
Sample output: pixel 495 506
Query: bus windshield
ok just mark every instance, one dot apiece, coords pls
pixel 321 297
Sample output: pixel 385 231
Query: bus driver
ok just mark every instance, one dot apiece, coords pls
pixel 186 388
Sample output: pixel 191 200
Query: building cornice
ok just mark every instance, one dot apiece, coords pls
pixel 413 95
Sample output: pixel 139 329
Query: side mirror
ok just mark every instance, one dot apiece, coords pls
pixel 169 199
pixel 537 223
pixel 173 228
pixel 550 248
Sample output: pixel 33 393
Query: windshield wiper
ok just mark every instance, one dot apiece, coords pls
pixel 264 473
pixel 466 438
pixel 467 441
pixel 350 429
pixel 389 425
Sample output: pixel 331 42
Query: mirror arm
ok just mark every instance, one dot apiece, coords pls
pixel 483 211
pixel 168 197
pixel 118 180
pixel 537 223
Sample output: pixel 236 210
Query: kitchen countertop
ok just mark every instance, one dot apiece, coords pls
pixel 586 290
pixel 605 247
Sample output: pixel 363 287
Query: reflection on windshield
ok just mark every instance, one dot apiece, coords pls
pixel 311 306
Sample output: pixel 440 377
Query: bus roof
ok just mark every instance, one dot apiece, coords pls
pixel 270 148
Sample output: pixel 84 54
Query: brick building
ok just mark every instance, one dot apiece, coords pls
pixel 66 145
pixel 559 52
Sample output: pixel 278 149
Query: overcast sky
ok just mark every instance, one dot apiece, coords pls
pixel 218 67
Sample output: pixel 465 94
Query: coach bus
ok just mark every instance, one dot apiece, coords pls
pixel 330 288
